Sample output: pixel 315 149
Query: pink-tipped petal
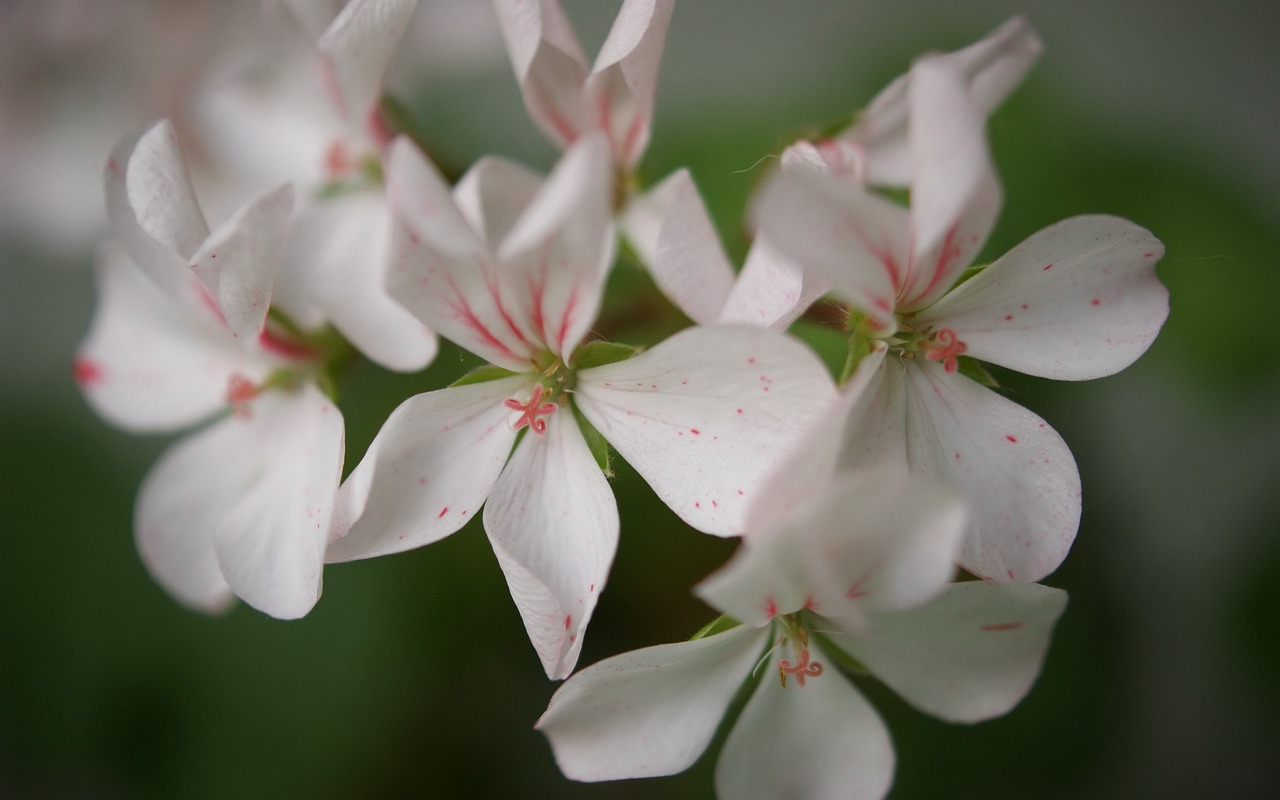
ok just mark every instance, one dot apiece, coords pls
pixel 270 543
pixel 625 75
pixel 160 192
pixel 240 260
pixel 650 712
pixel 358 45
pixel 427 472
pixel 955 195
pixel 819 741
pixel 553 524
pixel 1016 472
pixel 970 655
pixel 149 364
pixel 690 266
pixel 1078 300
pixel 705 416
pixel 557 255
pixel 841 234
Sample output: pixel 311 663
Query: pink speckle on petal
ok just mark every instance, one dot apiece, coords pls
pixel 1097 301
pixel 1008 317
pixel 694 431
pixel 86 372
pixel 568 620
pixel 770 607
pixel 443 511
pixel 1013 439
pixel 1047 267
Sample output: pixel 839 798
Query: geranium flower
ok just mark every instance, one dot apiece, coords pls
pixel 512 269
pixel 180 337
pixel 1078 300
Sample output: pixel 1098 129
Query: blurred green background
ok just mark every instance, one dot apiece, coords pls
pixel 413 676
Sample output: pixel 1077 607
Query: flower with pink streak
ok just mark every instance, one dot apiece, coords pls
pixel 512 268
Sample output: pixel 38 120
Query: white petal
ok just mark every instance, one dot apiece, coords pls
pixel 442 272
pixel 341 247
pixel 870 541
pixel 1015 471
pixel 493 194
pixel 427 472
pixel 955 196
pixel 845 236
pixel 240 260
pixel 875 428
pixel 640 220
pixel 997 63
pixel 148 364
pixel 358 45
pixel 559 252
pixel 650 712
pixel 821 740
pixel 549 66
pixel 553 524
pixel 771 291
pixel 271 542
pixel 970 655
pixel 625 75
pixel 705 416
pixel 1080 299
pixel 160 192
pixel 180 502
pixel 690 266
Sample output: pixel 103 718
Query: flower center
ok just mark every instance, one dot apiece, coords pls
pixel 532 411
pixel 944 346
pixel 798 637
pixel 240 390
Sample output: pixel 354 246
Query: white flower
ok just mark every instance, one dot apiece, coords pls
pixel 1077 300
pixel 180 336
pixel 856 570
pixel 513 269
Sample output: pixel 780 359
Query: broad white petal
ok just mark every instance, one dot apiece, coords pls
pixel 558 254
pixel 442 272
pixel 270 542
pixel 182 499
pixel 160 192
pixel 706 415
pixel 240 260
pixel 553 524
pixel 549 66
pixel 493 194
pixel 1016 472
pixel 817 741
pixel 625 75
pixel 955 195
pixel 971 654
pixel 840 233
pixel 148 364
pixel 690 266
pixel 875 428
pixel 427 472
pixel 342 247
pixel 358 45
pixel 771 291
pixel 640 220
pixel 870 541
pixel 650 712
pixel 1078 300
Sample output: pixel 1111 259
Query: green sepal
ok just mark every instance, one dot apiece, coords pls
pixel 599 353
pixel 595 442
pixel 720 624
pixel 969 273
pixel 898 195
pixel 482 375
pixel 859 348
pixel 974 369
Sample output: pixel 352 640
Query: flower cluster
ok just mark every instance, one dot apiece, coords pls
pixel 859 499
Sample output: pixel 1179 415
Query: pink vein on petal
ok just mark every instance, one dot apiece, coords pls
pixel 463 310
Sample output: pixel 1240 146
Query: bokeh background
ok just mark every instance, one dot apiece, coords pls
pixel 413 676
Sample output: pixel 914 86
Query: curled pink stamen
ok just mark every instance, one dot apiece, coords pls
pixel 944 346
pixel 534 410
pixel 801 670
pixel 240 390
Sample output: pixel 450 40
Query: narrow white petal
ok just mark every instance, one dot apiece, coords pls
pixel 955 195
pixel 771 291
pixel 549 66
pixel 625 75
pixel 557 255
pixel 148 364
pixel 427 472
pixel 270 542
pixel 843 235
pixel 997 63
pixel 690 266
pixel 817 741
pixel 970 655
pixel 1016 472
pixel 358 45
pixel 553 524
pixel 160 192
pixel 875 428
pixel 650 712
pixel 1080 299
pixel 493 194
pixel 240 260
pixel 706 415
